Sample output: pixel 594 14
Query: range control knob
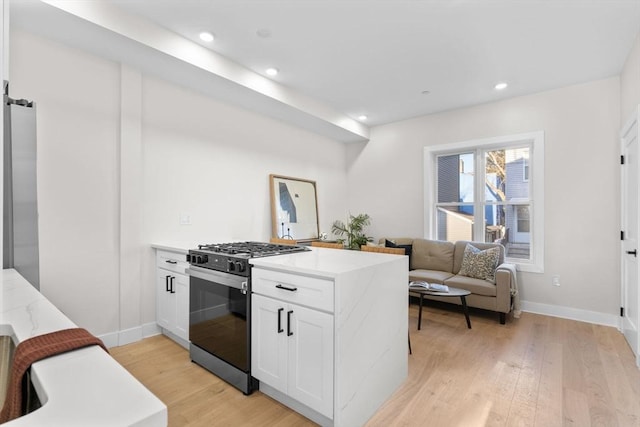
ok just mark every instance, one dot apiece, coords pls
pixel 240 267
pixel 230 265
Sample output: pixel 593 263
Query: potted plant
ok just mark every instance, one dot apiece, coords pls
pixel 353 230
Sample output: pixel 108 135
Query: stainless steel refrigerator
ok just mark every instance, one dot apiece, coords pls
pixel 20 222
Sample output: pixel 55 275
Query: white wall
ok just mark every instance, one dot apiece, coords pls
pixel 193 154
pixel 630 84
pixel 77 100
pixel 581 192
pixel 4 75
pixel 212 161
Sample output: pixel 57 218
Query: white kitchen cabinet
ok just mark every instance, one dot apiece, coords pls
pixel 292 351
pixel 348 314
pixel 172 295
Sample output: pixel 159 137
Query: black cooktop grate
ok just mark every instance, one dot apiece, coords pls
pixel 251 249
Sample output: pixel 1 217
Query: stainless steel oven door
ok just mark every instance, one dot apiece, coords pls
pixel 219 308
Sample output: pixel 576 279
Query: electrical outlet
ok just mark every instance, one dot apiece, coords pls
pixel 555 280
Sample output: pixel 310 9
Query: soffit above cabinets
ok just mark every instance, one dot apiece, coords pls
pixel 103 29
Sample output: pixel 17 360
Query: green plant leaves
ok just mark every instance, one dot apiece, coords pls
pixel 353 230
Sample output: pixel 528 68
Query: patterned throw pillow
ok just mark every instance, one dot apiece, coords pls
pixel 480 264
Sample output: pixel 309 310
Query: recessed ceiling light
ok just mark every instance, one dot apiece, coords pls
pixel 501 86
pixel 271 71
pixel 362 117
pixel 206 37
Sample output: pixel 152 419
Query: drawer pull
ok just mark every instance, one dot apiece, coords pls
pixel 170 261
pixel 286 288
pixel 289 333
pixel 280 330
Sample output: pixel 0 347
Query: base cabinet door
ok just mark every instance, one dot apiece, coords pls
pixel 292 351
pixel 268 342
pixel 172 294
pixel 165 313
pixel 310 373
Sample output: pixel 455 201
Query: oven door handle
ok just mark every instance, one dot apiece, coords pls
pixel 224 279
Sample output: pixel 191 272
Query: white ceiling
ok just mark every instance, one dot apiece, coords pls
pixel 376 57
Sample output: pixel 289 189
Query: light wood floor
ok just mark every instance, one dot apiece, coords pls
pixel 533 371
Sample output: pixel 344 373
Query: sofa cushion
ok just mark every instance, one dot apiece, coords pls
pixel 475 286
pixel 480 264
pixel 432 255
pixel 461 245
pixel 430 276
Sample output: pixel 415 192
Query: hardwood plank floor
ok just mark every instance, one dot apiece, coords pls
pixel 533 371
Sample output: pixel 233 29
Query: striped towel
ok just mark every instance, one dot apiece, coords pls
pixel 38 348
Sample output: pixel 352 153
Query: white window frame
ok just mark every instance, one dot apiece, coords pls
pixel 536 175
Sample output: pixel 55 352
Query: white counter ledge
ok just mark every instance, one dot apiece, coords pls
pixel 323 261
pixel 177 247
pixel 85 387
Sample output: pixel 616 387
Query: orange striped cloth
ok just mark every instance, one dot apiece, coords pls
pixel 37 348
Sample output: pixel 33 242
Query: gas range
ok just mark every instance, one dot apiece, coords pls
pixel 233 257
pixel 220 307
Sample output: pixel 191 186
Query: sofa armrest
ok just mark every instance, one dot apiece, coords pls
pixel 504 282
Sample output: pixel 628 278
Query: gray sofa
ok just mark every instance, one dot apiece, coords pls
pixel 440 262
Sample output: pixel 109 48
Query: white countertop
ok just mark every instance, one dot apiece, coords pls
pixel 179 247
pixel 85 387
pixel 323 261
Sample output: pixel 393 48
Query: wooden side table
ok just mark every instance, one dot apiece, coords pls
pixel 453 292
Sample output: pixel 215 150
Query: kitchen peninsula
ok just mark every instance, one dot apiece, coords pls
pixel 329 331
pixel 85 387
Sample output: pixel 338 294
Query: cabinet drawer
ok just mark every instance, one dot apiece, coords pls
pixel 172 261
pixel 308 291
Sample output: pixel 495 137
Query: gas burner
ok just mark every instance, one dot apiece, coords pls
pixel 251 249
pixel 233 257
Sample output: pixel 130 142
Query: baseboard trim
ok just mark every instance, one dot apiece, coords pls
pixel 571 313
pixel 300 408
pixel 131 335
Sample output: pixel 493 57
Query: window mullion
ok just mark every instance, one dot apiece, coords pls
pixel 478 197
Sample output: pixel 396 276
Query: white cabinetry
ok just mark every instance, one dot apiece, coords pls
pixel 292 351
pixel 329 332
pixel 172 294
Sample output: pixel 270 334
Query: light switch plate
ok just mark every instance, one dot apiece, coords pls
pixel 185 219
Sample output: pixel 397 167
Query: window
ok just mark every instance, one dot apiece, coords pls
pixel 489 190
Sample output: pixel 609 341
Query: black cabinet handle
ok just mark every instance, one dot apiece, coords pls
pixel 172 290
pixel 289 333
pixel 286 288
pixel 170 261
pixel 633 252
pixel 280 310
pixel 166 283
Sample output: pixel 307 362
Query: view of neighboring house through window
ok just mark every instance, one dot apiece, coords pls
pixel 484 193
